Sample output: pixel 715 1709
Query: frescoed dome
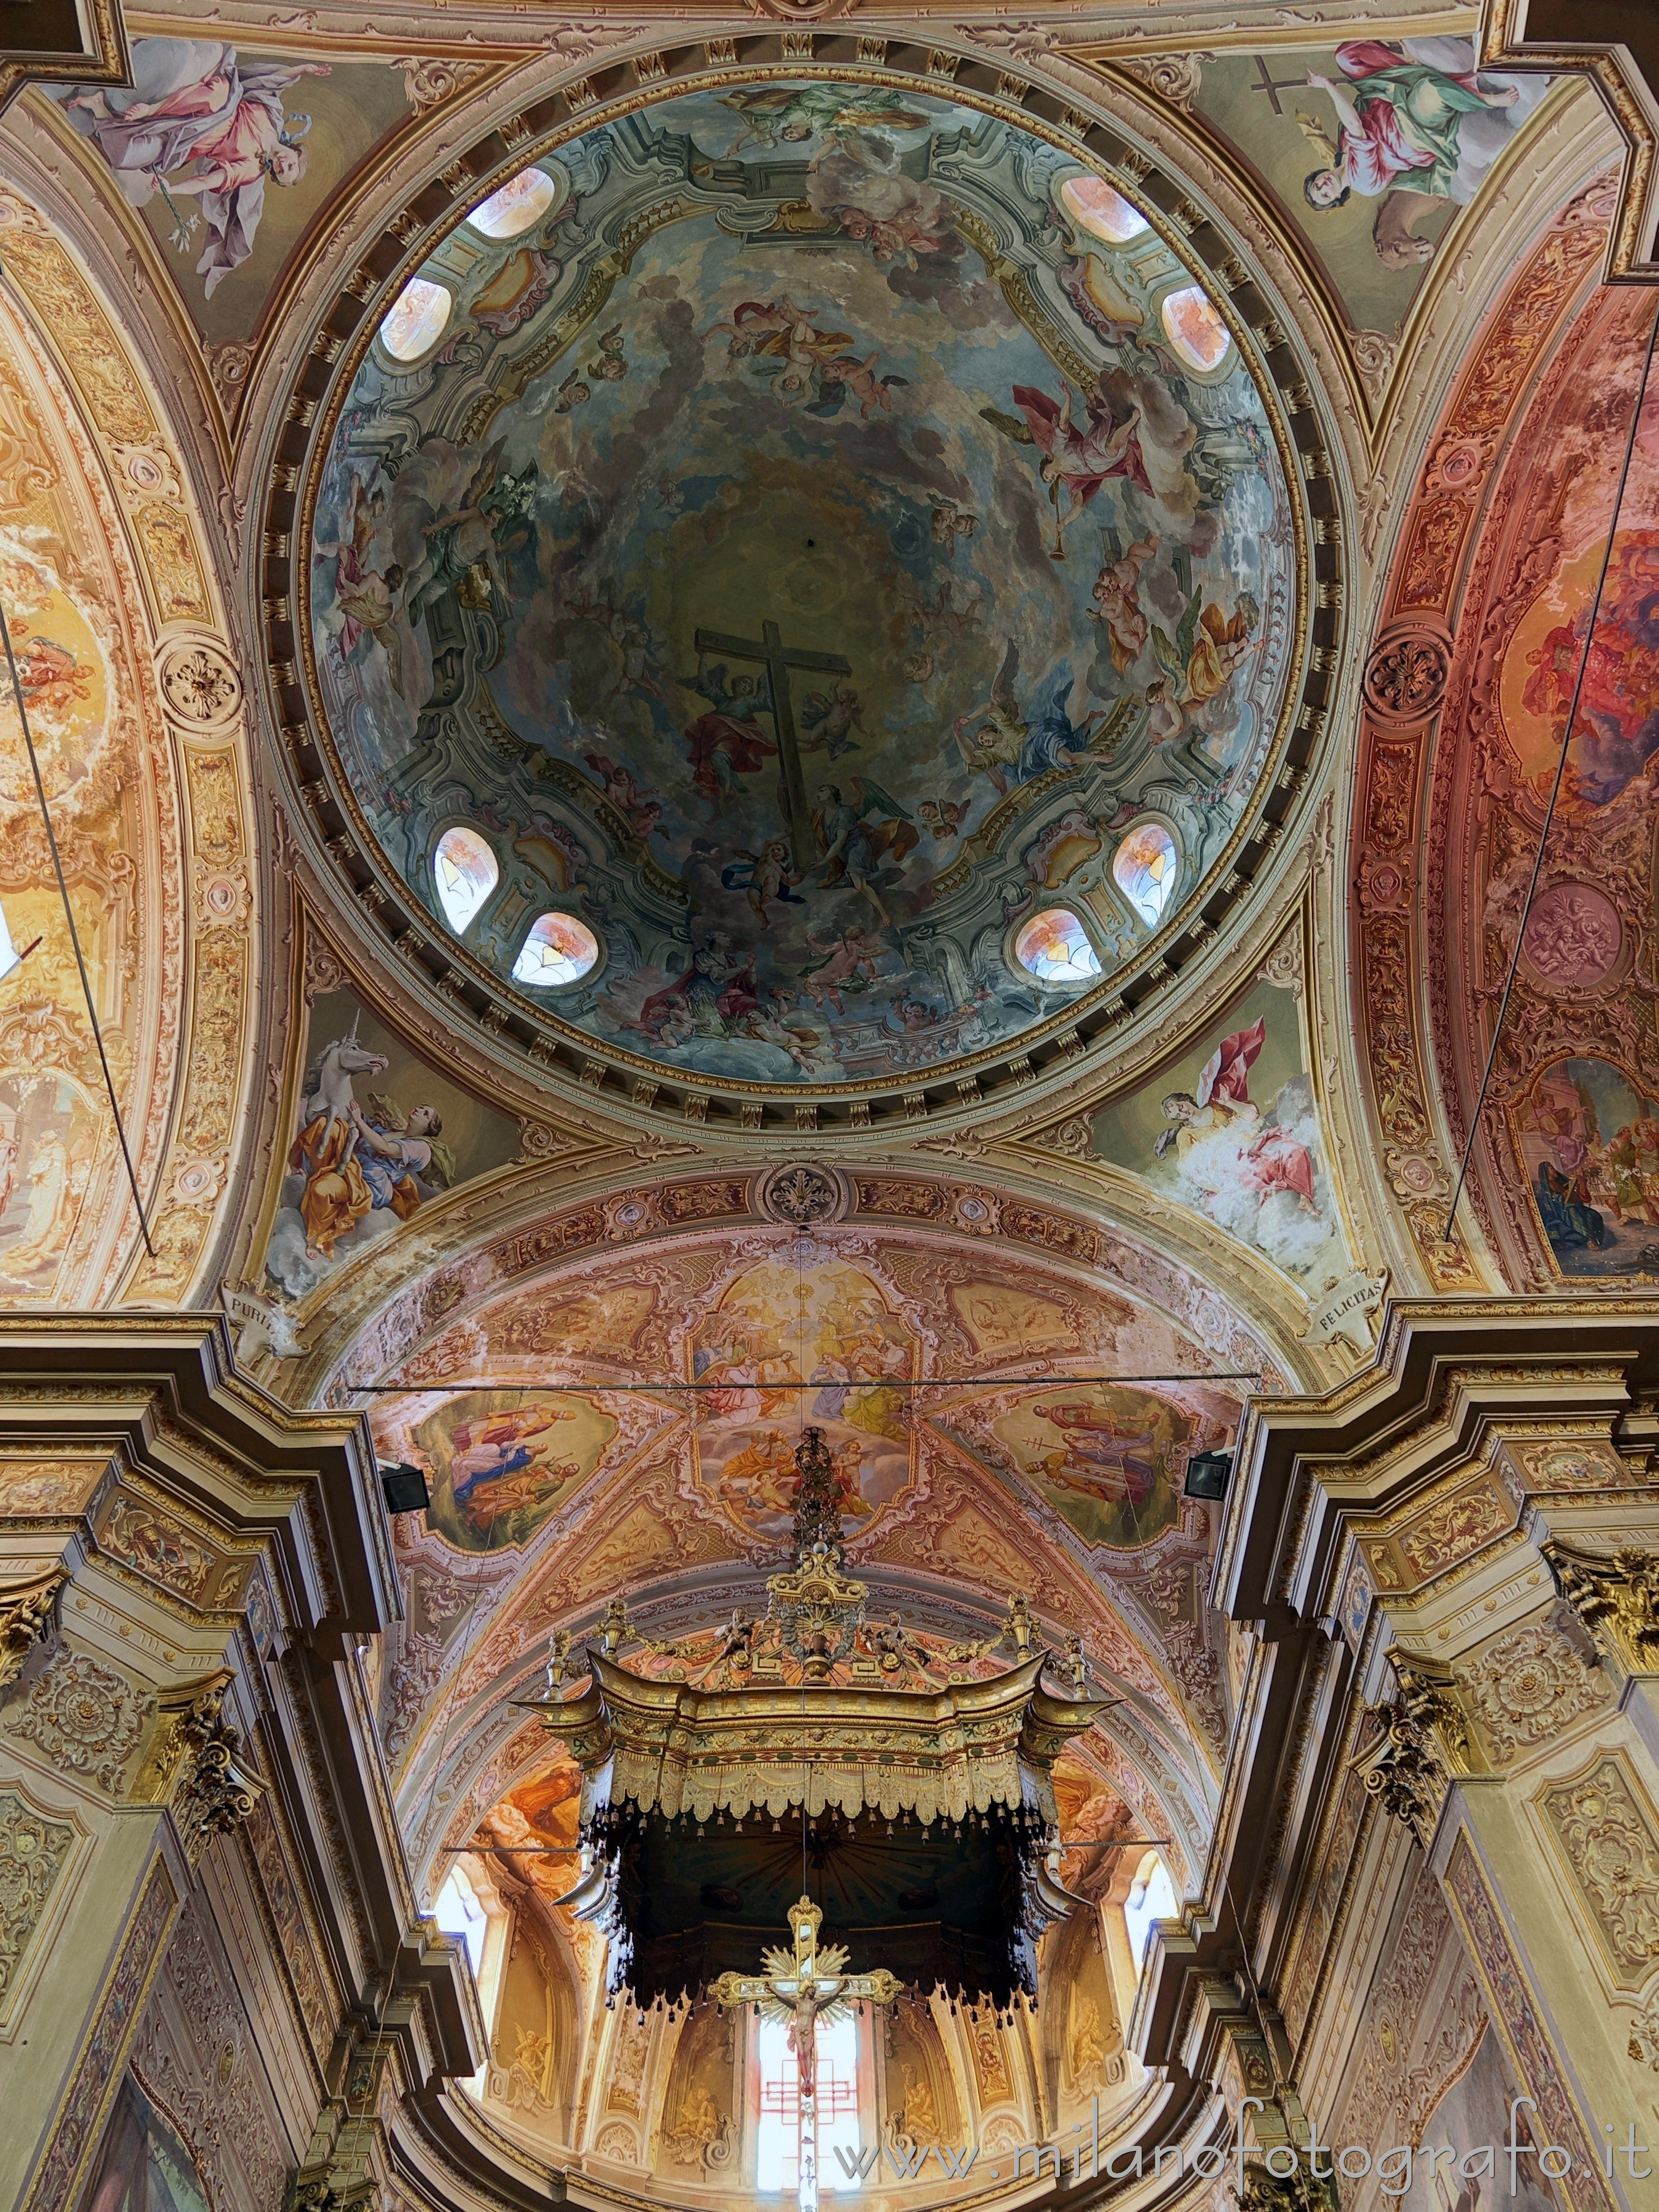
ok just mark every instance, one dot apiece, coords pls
pixel 805 535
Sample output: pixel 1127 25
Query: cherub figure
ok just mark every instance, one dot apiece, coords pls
pixel 831 717
pixel 950 522
pixel 849 964
pixel 611 367
pixel 763 876
pixel 1117 603
pixel 942 817
pixel 643 813
pixel 573 393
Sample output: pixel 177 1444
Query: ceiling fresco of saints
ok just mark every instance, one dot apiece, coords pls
pixel 1371 147
pixel 779 1326
pixel 803 584
pixel 1233 1130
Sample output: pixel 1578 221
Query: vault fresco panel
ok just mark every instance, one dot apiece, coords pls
pixel 232 153
pixel 1370 147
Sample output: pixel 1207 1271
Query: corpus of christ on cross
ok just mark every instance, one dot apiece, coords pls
pixel 803 1988
pixel 779 659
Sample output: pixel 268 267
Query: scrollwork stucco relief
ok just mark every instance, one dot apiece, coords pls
pixel 1530 1687
pixel 34 1850
pixel 85 1717
pixel 1603 1826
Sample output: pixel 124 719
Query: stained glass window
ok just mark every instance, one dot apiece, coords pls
pixel 1145 868
pixel 1194 328
pixel 464 869
pixel 515 206
pixel 417 320
pixel 1091 201
pixel 1054 947
pixel 558 949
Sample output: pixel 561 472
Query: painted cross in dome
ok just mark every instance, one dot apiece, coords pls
pixel 779 659
pixel 803 1988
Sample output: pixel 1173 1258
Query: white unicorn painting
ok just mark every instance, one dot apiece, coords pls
pixel 355 1170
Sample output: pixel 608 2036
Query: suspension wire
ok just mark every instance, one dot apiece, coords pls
pixel 897 1382
pixel 75 934
pixel 1555 786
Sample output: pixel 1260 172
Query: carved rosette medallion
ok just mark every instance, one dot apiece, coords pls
pixel 199 684
pixel 33 1851
pixel 803 1196
pixel 1529 1686
pixel 84 1717
pixel 1406 677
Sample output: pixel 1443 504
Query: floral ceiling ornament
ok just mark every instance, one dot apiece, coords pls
pixel 200 684
pixel 85 1717
pixel 803 1196
pixel 1406 678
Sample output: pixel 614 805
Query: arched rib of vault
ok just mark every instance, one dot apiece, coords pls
pixel 1398 987
pixel 155 830
pixel 516 1226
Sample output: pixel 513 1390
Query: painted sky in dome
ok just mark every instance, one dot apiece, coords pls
pixel 806 554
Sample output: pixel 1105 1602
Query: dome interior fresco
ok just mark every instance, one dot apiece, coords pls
pixel 829 1101
pixel 968 563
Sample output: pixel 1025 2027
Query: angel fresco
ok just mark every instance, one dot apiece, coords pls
pixel 861 835
pixel 1013 748
pixel 467 537
pixel 775 113
pixel 1253 1172
pixel 502 1461
pixel 829 718
pixel 197 122
pixel 1617 732
pixel 727 742
pixel 1077 458
pixel 1408 122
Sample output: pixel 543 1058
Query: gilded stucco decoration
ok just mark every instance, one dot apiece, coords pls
pixel 107 597
pixel 1410 699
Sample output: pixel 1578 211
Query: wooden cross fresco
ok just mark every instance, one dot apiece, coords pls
pixel 778 660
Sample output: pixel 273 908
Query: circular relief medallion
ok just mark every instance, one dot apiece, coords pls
pixel 803 1196
pixel 1405 680
pixel 1573 937
pixel 199 684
